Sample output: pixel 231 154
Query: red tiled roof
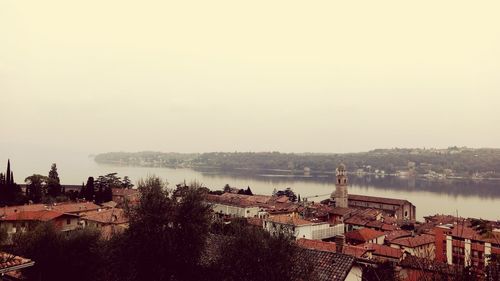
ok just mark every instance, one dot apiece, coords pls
pixel 397 234
pixel 290 220
pixel 363 235
pixel 14 209
pixel 317 245
pixel 325 266
pixel 76 207
pixel 381 225
pixel 374 199
pixel 416 241
pixel 357 220
pixel 385 251
pixel 43 215
pixel 341 211
pixel 231 199
pixel 10 262
pixel 111 216
pixel 354 251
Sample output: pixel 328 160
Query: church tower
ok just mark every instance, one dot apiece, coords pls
pixel 340 194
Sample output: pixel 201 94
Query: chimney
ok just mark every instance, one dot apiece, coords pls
pixel 339 243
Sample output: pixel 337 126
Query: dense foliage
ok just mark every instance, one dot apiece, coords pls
pixel 167 239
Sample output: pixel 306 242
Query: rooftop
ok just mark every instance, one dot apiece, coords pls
pixel 384 251
pixel 290 220
pixel 325 265
pixel 317 245
pixel 78 207
pixel 42 215
pixel 111 216
pixel 374 199
pixel 416 241
pixel 363 234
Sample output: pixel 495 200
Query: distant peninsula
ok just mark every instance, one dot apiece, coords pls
pixel 452 162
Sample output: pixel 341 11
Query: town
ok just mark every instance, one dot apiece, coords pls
pixel 345 237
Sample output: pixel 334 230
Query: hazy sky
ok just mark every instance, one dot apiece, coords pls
pixel 293 76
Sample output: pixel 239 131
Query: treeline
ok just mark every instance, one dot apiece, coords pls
pixel 460 161
pixel 48 189
pixel 171 236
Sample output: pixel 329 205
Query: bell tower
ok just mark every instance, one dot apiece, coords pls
pixel 340 194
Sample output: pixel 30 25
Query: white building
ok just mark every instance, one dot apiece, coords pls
pixel 300 228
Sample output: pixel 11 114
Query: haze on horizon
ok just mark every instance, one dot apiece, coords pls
pixel 290 76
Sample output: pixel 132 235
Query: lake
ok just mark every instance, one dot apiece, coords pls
pixel 468 198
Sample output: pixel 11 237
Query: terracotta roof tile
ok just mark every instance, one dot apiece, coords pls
pixel 363 235
pixel 111 216
pixel 317 245
pixel 355 251
pixel 374 199
pixel 290 220
pixel 76 207
pixel 416 241
pixel 384 251
pixel 43 215
pixel 397 234
pixel 325 265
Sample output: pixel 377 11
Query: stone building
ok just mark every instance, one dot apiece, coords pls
pixel 339 196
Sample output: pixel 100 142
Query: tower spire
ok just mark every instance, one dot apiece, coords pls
pixel 340 195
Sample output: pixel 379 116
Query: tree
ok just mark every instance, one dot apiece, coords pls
pixel 89 189
pixel 248 191
pixel 53 186
pixel 126 182
pixel 250 253
pixel 36 186
pixel 170 232
pixel 60 256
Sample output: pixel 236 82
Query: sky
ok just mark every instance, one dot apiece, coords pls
pixel 291 76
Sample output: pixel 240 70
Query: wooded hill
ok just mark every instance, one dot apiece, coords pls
pixel 459 161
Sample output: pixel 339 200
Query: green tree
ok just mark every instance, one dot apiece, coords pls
pixel 251 253
pixel 60 256
pixel 165 237
pixel 89 189
pixel 54 188
pixel 36 186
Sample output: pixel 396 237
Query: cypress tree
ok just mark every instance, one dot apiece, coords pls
pixel 89 189
pixel 54 185
pixel 8 182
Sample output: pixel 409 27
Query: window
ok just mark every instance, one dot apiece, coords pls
pixel 68 221
pixel 406 213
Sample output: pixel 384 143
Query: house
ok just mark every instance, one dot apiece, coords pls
pixel 421 246
pixel 25 220
pixel 123 196
pixel 233 205
pixel 402 209
pixel 101 218
pixel 384 253
pixel 358 252
pixel 468 242
pixel 77 208
pixel 301 228
pixel 365 235
pixel 395 234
